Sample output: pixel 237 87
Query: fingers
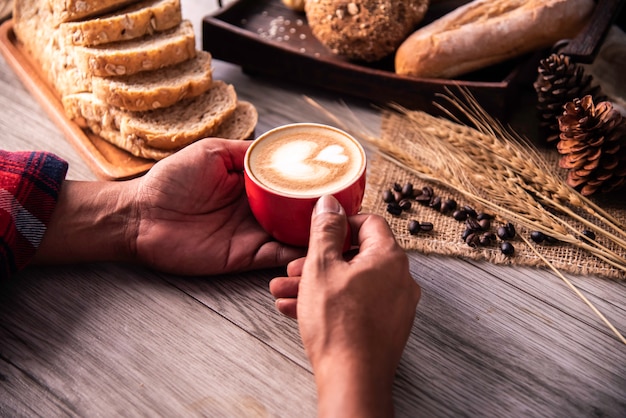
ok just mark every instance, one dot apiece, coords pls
pixel 285 290
pixel 287 307
pixel 328 231
pixel 285 287
pixel 232 152
pixel 275 254
pixel 370 230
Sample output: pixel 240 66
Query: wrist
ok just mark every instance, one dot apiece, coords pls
pixel 348 387
pixel 91 222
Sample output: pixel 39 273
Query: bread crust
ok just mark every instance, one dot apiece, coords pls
pixel 131 57
pixel 486 32
pixel 133 22
pixel 71 10
pixel 365 30
pixel 154 90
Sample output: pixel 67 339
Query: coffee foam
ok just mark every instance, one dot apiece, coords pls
pixel 306 161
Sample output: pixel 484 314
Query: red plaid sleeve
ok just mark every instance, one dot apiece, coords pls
pixel 29 189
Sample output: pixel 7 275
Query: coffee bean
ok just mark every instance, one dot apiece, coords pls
pixel 484 223
pixel 503 232
pixel 397 196
pixel 470 211
pixel 397 187
pixel 414 227
pixel 551 240
pixel 589 234
pixel 459 215
pixel 473 239
pixel 507 248
pixel 388 196
pixel 426 226
pixel 537 236
pixel 483 215
pixel 435 203
pixel 511 228
pixel 427 190
pixel 423 199
pixel 407 190
pixel 448 205
pixel 485 239
pixel 394 208
pixel 405 204
pixel 466 233
pixel 472 224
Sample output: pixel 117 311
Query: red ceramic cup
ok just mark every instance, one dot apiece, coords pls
pixel 288 168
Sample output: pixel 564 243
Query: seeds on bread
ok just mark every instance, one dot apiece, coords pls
pixel 156 89
pixel 240 125
pixel 167 128
pixel 72 10
pixel 135 21
pixel 145 54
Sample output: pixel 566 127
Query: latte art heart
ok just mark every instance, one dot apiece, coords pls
pixel 305 163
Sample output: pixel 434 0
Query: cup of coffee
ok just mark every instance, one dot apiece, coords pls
pixel 287 169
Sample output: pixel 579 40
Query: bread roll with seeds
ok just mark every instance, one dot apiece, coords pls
pixel 363 30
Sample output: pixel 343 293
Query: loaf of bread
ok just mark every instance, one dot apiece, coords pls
pixel 363 30
pixel 486 32
pixel 133 76
pixel 145 54
pixel 156 89
pixel 135 21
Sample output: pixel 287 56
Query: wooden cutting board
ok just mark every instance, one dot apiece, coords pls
pixel 107 161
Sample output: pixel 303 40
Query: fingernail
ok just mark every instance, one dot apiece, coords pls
pixel 327 203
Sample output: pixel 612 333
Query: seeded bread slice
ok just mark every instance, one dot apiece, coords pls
pixel 167 128
pixel 159 88
pixel 144 54
pixel 135 21
pixel 239 125
pixel 72 10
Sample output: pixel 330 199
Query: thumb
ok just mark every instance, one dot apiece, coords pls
pixel 328 228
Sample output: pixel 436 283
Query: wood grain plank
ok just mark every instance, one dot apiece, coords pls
pixel 126 343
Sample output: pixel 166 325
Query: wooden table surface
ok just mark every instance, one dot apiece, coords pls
pixel 119 340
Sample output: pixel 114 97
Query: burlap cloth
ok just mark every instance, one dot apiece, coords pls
pixel 445 239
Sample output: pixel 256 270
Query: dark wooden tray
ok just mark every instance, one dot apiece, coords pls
pixel 251 33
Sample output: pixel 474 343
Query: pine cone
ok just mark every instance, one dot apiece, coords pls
pixel 560 81
pixel 593 145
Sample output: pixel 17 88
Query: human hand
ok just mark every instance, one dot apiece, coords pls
pixel 193 215
pixel 354 315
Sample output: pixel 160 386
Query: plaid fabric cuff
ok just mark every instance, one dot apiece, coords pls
pixel 29 189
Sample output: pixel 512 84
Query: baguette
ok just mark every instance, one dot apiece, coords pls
pixel 159 88
pixel 486 32
pixel 132 22
pixel 144 54
pixel 169 128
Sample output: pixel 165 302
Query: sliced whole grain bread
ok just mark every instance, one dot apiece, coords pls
pixel 240 124
pixel 159 88
pixel 148 53
pixel 167 128
pixel 135 21
pixel 72 10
